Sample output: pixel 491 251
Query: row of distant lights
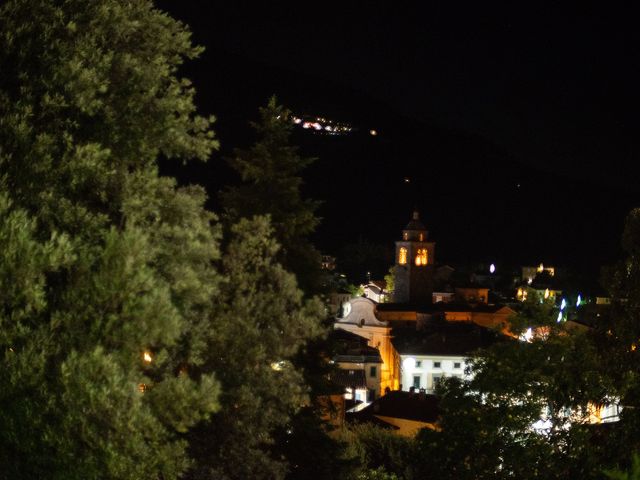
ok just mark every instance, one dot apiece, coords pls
pixel 320 124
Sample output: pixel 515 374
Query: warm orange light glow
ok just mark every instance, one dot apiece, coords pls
pixel 146 356
pixel 402 256
pixel 421 257
pixel 522 294
pixel 546 293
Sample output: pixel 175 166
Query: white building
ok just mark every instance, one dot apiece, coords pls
pixel 438 350
pixel 376 290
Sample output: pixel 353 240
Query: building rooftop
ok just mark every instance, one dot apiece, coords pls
pixel 352 348
pixel 444 338
pixel 349 378
pixel 466 307
pixel 440 307
pixel 406 405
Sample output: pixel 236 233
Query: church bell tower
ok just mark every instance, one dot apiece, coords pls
pixel 414 265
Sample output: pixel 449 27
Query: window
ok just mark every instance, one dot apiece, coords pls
pixel 436 379
pixel 416 381
pixel 456 364
pixel 373 371
pixel 421 257
pixel 436 364
pixel 402 256
pixel 418 363
pixel 422 237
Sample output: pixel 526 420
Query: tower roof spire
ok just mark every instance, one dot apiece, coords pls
pixel 415 223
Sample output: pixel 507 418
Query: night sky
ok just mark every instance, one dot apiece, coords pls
pixel 517 128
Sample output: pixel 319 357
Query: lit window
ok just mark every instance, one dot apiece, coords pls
pixel 421 237
pixel 402 256
pixel 421 257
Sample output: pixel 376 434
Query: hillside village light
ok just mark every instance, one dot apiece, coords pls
pixel 559 317
pixel 492 268
pixel 409 363
pixel 579 301
pixel 563 304
pixel 540 268
pixel 546 293
pixel 146 356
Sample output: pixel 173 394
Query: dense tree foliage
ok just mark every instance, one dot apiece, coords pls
pixel 270 172
pixel 261 323
pixel 528 409
pixel 102 261
pixel 620 339
pixel 271 184
pixel 120 318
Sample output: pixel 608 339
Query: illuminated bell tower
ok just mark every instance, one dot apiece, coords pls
pixel 415 260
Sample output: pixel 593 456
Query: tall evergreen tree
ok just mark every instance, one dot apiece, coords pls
pixel 261 323
pixel 270 172
pixel 106 269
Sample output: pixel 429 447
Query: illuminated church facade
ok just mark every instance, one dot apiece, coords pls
pixel 413 314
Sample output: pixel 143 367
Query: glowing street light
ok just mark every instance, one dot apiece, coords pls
pixel 492 268
pixel 409 363
pixel 563 304
pixel 579 301
pixel 146 356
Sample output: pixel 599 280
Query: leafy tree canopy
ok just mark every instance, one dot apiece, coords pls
pixel 105 268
